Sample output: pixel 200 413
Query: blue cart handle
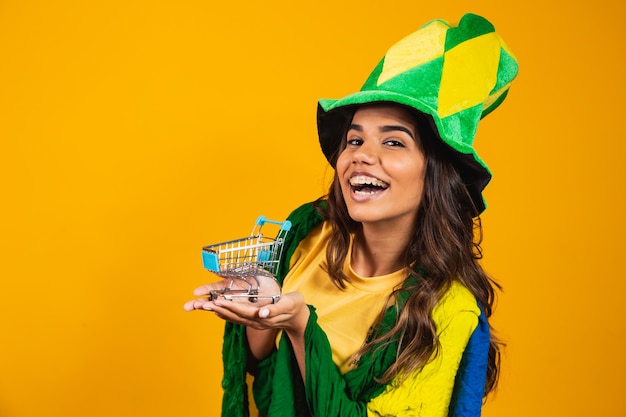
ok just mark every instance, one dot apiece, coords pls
pixel 284 226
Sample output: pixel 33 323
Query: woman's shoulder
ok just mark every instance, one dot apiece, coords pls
pixel 457 299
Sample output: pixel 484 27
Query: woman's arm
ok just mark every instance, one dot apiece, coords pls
pixel 295 331
pixel 291 318
pixel 261 342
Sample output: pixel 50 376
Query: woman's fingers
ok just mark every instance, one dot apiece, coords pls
pixel 207 288
pixel 290 313
pixel 204 291
pixel 198 304
pixel 246 314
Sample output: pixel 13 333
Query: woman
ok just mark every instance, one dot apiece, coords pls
pixel 385 307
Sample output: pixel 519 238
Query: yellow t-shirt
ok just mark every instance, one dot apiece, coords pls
pixel 345 315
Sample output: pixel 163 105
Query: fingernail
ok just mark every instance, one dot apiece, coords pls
pixel 264 313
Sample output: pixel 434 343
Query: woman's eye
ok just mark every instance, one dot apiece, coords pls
pixel 392 142
pixel 355 141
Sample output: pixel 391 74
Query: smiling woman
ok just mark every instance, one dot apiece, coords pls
pixel 385 308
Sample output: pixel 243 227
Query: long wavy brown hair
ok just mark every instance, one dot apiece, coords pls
pixel 445 246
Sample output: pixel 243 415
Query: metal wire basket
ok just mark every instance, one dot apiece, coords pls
pixel 246 261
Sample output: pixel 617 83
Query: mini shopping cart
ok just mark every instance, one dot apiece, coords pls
pixel 250 263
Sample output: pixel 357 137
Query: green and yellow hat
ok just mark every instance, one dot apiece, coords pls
pixel 457 75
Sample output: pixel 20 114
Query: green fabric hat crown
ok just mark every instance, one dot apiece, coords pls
pixel 457 75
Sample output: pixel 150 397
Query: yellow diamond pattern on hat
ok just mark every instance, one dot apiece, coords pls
pixel 414 50
pixel 469 74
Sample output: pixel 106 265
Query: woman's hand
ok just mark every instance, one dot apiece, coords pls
pixel 260 290
pixel 289 313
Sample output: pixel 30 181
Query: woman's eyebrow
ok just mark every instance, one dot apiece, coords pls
pixel 386 128
pixel 392 128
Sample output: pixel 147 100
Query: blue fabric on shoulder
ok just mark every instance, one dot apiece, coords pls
pixel 469 386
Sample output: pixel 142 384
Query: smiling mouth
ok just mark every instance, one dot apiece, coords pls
pixel 365 185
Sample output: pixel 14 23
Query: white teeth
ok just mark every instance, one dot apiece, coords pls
pixel 365 180
pixel 360 192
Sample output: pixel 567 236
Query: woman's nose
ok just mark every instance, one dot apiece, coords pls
pixel 365 154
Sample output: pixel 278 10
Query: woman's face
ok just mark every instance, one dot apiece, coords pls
pixel 381 170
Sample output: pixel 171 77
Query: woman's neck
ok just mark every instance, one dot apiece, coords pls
pixel 379 251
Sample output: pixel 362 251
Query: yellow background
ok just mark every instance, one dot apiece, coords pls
pixel 134 132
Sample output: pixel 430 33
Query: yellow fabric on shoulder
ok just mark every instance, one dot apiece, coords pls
pixel 427 392
pixel 345 315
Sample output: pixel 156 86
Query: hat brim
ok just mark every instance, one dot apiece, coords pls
pixel 333 117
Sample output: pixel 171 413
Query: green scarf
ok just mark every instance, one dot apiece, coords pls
pixel 278 387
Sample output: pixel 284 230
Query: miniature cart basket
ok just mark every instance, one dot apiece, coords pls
pixel 246 259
